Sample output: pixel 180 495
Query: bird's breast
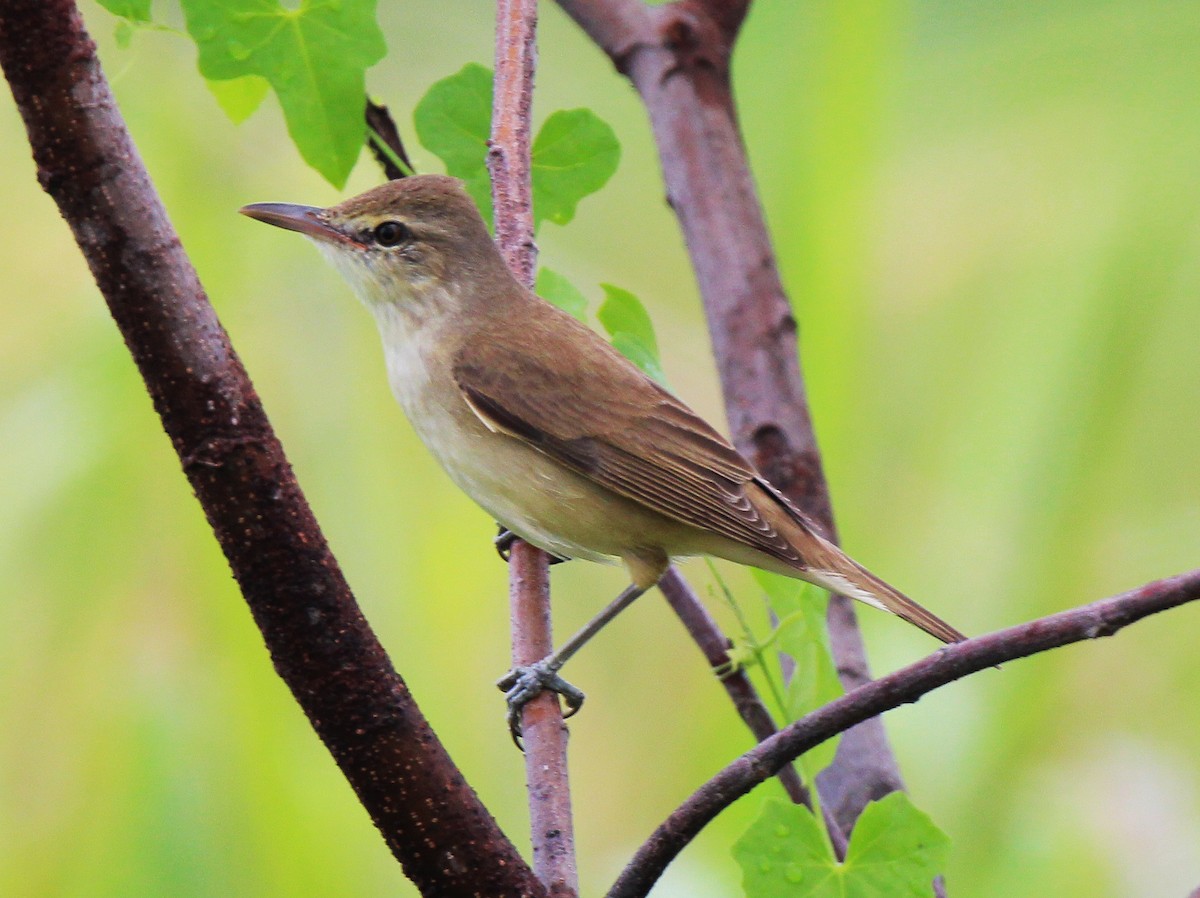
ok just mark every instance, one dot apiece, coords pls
pixel 533 495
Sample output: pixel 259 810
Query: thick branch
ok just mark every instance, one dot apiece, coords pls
pixel 677 56
pixel 318 639
pixel 1101 618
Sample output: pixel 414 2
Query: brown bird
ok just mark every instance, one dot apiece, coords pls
pixel 540 421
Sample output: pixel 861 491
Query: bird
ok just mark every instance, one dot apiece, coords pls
pixel 546 426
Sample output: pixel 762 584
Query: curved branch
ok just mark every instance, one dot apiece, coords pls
pixel 1101 618
pixel 319 641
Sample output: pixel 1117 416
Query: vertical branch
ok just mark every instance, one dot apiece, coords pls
pixel 320 644
pixel 542 726
pixel 509 146
pixel 677 57
pixel 544 733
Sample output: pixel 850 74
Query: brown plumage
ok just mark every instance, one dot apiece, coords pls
pixel 641 442
pixel 541 421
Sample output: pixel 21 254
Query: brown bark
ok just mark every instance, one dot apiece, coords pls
pixel 318 639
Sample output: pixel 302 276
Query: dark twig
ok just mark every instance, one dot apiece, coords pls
pixel 677 56
pixel 1101 618
pixel 381 129
pixel 318 639
pixel 544 733
pixel 715 647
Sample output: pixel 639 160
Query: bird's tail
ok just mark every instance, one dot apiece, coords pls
pixel 842 574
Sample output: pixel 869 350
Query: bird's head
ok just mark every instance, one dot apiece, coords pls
pixel 404 242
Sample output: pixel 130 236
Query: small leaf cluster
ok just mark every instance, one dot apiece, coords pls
pixel 314 57
pixel 573 155
pixel 895 851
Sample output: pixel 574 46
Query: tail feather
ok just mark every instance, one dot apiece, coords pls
pixel 856 582
pixel 819 561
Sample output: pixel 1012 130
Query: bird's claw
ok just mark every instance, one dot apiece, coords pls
pixel 523 684
pixel 503 542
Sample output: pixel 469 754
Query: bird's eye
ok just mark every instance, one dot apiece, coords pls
pixel 392 233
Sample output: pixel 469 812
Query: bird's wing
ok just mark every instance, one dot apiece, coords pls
pixel 599 416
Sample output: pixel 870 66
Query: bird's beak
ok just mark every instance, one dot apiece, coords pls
pixel 308 220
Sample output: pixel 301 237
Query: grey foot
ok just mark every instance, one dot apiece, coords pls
pixel 522 684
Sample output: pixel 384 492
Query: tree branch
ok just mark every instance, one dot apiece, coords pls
pixel 1101 618
pixel 677 56
pixel 319 642
pixel 715 647
pixel 543 732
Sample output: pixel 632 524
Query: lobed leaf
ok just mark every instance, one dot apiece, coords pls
pixel 453 121
pixel 314 57
pixel 573 155
pixel 895 851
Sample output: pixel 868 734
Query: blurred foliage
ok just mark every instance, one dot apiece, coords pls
pixel 989 221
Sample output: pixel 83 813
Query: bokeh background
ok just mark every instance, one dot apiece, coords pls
pixel 988 217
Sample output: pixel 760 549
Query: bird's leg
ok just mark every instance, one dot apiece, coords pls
pixel 521 684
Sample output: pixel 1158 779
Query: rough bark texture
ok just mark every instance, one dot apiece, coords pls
pixel 317 637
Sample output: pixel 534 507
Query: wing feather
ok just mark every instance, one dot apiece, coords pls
pixel 633 437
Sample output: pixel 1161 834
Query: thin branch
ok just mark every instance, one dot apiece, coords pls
pixel 509 146
pixel 1101 618
pixel 319 642
pixel 677 56
pixel 715 646
pixel 543 731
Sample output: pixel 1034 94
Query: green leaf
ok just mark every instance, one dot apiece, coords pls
pixel 239 97
pixel 895 851
pixel 630 329
pixel 453 121
pixel 554 288
pixel 800 608
pixel 784 853
pixel 123 34
pixel 314 58
pixel 134 10
pixel 574 154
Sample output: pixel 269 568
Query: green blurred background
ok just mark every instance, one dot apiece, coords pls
pixel 988 216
